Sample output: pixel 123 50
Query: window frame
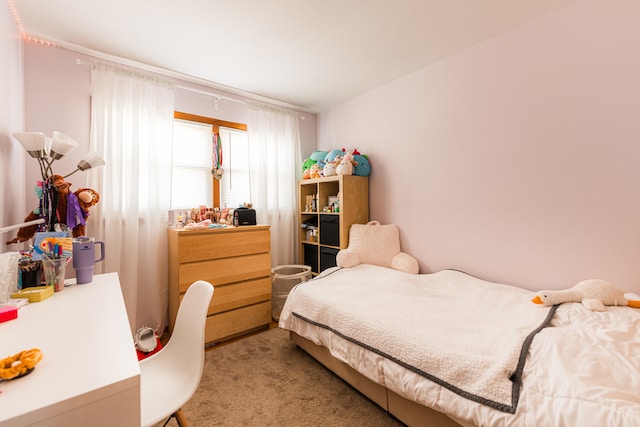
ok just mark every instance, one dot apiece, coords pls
pixel 215 124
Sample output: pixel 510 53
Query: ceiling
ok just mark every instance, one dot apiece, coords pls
pixel 305 53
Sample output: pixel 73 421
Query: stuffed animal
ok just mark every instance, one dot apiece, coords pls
pixel 329 169
pixel 331 156
pixel 63 188
pixel 25 233
pixel 594 294
pixel 69 207
pixel 314 171
pixel 345 167
pixel 76 219
pixel 376 244
pixel 306 166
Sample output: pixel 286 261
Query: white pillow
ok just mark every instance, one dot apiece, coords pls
pixel 376 244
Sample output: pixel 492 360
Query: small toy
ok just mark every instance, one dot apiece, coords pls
pixel 594 294
pixel 314 171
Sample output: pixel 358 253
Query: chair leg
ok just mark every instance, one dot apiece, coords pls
pixel 169 419
pixel 181 418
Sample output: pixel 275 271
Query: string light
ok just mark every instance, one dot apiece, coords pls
pixel 23 35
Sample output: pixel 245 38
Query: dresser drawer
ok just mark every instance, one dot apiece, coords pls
pixel 224 271
pixel 236 322
pixel 231 243
pixel 237 262
pixel 229 297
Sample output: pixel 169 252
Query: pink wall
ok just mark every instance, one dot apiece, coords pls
pixel 57 98
pixel 12 187
pixel 516 160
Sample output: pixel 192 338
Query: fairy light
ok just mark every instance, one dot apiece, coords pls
pixel 23 34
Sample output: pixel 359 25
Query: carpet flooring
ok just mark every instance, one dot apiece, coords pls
pixel 266 380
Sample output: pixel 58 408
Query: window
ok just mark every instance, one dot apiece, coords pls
pixel 234 185
pixel 191 184
pixel 192 181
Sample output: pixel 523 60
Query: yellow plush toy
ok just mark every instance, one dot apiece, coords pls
pixel 594 294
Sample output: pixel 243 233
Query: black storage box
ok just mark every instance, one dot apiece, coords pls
pixel 311 257
pixel 327 257
pixel 244 216
pixel 330 230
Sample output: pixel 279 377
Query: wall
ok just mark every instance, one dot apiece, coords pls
pixel 58 98
pixel 12 189
pixel 517 159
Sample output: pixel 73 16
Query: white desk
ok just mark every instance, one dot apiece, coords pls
pixel 89 374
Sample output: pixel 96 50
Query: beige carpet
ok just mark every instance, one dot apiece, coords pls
pixel 265 380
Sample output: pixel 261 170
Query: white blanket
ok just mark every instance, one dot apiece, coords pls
pixel 461 332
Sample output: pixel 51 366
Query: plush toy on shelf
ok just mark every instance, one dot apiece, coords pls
pixel 329 169
pixel 314 171
pixel 316 158
pixel 345 167
pixel 306 167
pixel 594 294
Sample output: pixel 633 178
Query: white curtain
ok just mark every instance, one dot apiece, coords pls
pixel 131 127
pixel 274 158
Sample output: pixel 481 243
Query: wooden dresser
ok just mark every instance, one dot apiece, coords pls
pixel 237 262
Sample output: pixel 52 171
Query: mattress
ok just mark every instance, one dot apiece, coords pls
pixel 577 368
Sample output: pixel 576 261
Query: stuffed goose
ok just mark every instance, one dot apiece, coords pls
pixel 593 294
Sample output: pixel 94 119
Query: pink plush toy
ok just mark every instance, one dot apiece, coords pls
pixel 345 167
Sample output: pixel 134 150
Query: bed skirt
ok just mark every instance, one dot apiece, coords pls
pixel 407 411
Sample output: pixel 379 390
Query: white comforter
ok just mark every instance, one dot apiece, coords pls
pixel 582 370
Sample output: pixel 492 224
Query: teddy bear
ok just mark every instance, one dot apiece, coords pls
pixel 376 244
pixel 63 198
pixel 76 218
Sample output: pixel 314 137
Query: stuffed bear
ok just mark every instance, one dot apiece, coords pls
pixel 79 201
pixel 376 244
pixel 76 218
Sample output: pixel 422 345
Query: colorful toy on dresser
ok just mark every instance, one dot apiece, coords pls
pixel 335 162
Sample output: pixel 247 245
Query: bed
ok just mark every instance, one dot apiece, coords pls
pixel 448 349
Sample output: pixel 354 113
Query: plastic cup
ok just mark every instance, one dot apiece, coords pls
pixel 54 272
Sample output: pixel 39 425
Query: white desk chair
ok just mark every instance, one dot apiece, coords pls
pixel 171 376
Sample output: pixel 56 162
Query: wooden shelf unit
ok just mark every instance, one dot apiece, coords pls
pixel 237 262
pixel 332 227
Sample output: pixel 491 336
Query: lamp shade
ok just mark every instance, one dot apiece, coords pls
pixel 61 145
pixel 33 142
pixel 91 160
